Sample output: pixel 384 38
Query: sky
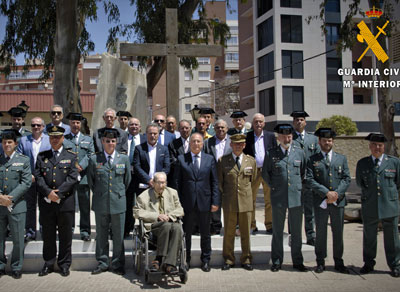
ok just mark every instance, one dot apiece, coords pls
pixel 99 30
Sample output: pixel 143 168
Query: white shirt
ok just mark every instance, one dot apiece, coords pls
pixel 152 158
pixel 162 137
pixel 240 158
pixel 112 156
pixel 198 158
pixel 284 150
pixel 177 134
pixel 380 159
pixel 301 135
pixel 185 144
pixel 220 147
pixel 59 150
pixel 36 148
pixel 259 149
pixel 329 155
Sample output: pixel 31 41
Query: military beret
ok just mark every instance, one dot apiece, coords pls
pixel 325 133
pixel 376 137
pixel 75 116
pixel 10 134
pixel 299 114
pixel 110 133
pixel 206 110
pixel 238 138
pixel 284 129
pixel 17 112
pixel 55 130
pixel 238 114
pixel 124 114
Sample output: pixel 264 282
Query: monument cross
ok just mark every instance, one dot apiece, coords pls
pixel 172 50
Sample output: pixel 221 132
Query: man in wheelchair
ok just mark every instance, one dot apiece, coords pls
pixel 159 208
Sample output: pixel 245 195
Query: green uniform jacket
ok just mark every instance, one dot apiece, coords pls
pixel 309 144
pixel 235 185
pixel 322 177
pixel 15 180
pixel 109 184
pixel 379 188
pixel 284 175
pixel 84 149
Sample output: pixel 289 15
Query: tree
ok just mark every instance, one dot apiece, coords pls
pixel 52 33
pixel 348 34
pixel 149 27
pixel 340 124
pixel 227 95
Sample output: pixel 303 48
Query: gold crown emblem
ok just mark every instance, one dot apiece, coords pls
pixel 54 128
pixel 374 13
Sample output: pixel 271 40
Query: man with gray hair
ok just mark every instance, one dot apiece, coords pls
pixel 159 208
pixel 109 117
pixel 56 115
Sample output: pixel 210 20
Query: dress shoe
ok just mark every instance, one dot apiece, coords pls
pixel 226 267
pixel 187 266
pixel 99 270
pixel 311 242
pixel 16 274
pixel 248 267
pixel 45 271
pixel 342 269
pixel 269 231
pixel 29 236
pixel 85 238
pixel 319 269
pixel 119 271
pixel 64 272
pixel 395 273
pixel 205 267
pixel 170 269
pixel 366 269
pixel 300 268
pixel 254 231
pixel 275 268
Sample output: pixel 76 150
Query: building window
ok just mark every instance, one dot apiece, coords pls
pixel 232 41
pixel 332 6
pixel 232 57
pixel 291 29
pixel 292 64
pixel 332 33
pixel 293 99
pixel 291 3
pixel 204 91
pixel 204 75
pixel 203 61
pixel 188 91
pixel 267 101
pixel 263 6
pixel 265 33
pixel 94 80
pixel 266 68
pixel 335 98
pixel 188 107
pixel 332 66
pixel 188 76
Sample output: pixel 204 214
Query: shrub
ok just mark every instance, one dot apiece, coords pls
pixel 340 124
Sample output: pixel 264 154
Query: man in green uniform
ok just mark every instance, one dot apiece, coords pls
pixel 109 175
pixel 328 177
pixel 283 170
pixel 83 146
pixel 236 174
pixel 378 176
pixel 15 180
pixel 238 120
pixel 17 120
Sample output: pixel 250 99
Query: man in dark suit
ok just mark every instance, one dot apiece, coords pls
pixel 56 174
pixel 109 117
pixel 134 139
pixel 179 146
pixel 196 181
pixel 218 146
pixel 56 115
pixel 164 137
pixel 258 142
pixel 150 157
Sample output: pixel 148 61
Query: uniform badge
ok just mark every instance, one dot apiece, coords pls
pixel 340 170
pixel 17 164
pixel 46 160
pixel 76 164
pixel 248 171
pixel 99 165
pixel 122 166
pixel 65 161
pixel 390 170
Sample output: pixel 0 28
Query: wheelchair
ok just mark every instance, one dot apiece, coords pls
pixel 144 250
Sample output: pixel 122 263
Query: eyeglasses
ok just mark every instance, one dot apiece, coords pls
pixel 36 125
pixel 56 113
pixel 109 141
pixel 159 121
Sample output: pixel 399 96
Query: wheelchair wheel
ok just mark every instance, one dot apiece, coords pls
pixel 183 276
pixel 137 256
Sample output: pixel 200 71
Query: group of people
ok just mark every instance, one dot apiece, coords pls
pixel 173 171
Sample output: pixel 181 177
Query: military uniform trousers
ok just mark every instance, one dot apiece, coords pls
pixel 169 239
pixel 54 220
pixel 16 222
pixel 308 209
pixel 103 223
pixel 231 220
pixel 390 240
pixel 278 224
pixel 336 215
pixel 31 197
pixel 83 194
pixel 130 202
pixel 267 201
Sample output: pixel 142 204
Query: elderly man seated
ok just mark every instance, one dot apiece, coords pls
pixel 159 208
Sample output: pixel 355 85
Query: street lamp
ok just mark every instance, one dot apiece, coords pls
pixel 195 112
pixel 215 83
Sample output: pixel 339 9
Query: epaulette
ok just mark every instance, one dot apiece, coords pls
pixel 20 154
pixel 70 151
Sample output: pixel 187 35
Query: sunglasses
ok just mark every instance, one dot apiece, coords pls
pixel 36 125
pixel 56 113
pixel 159 121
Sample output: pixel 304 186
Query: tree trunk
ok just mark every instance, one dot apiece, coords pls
pixel 67 56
